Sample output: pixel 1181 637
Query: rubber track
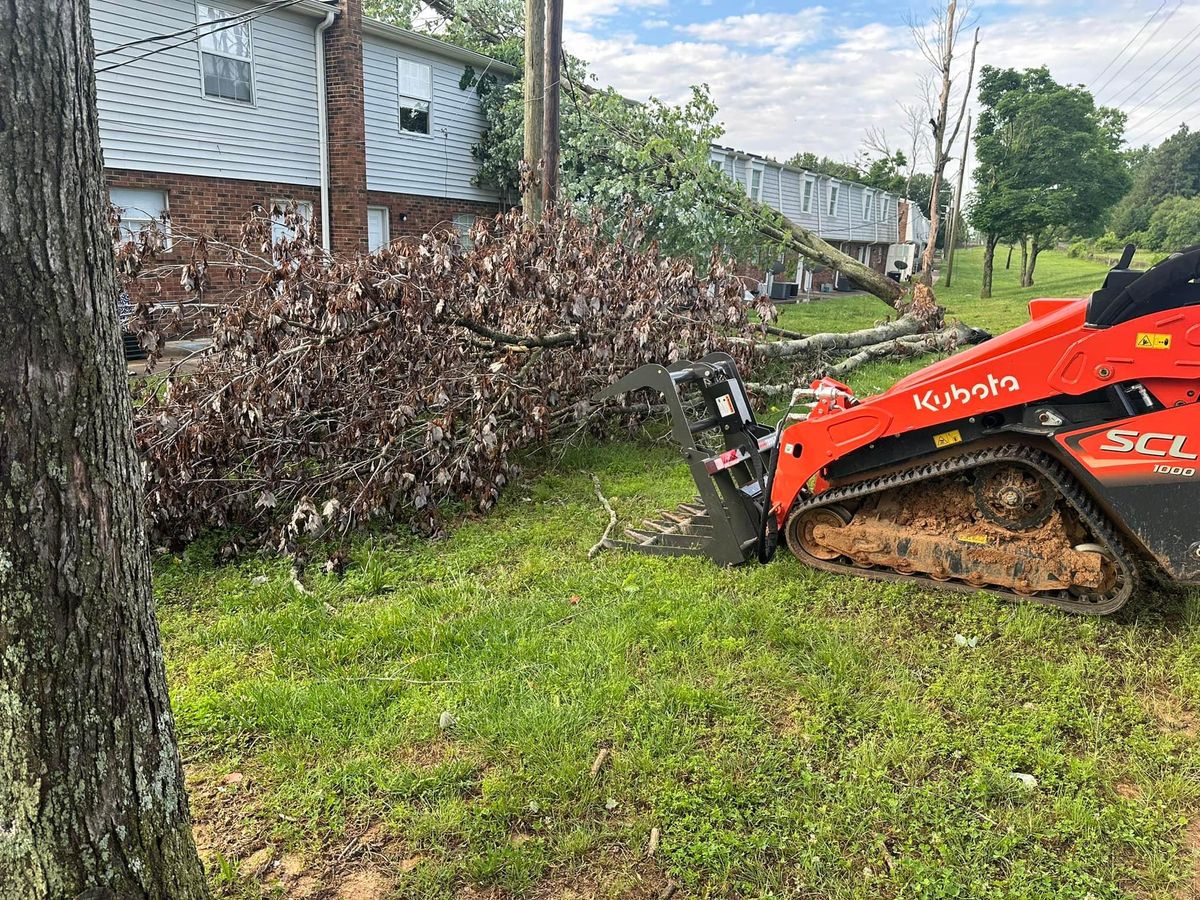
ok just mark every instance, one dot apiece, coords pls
pixel 1068 489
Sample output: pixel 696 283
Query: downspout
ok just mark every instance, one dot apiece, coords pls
pixel 323 128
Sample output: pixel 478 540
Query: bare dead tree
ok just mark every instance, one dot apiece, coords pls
pixel 938 40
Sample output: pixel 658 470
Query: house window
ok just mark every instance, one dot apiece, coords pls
pixel 463 223
pixel 226 57
pixel 810 185
pixel 141 210
pixel 756 178
pixel 378 231
pixel 416 94
pixel 834 190
pixel 867 206
pixel 281 228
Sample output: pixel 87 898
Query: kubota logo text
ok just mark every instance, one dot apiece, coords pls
pixel 1152 443
pixel 933 400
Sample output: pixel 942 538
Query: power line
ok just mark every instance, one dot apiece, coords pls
pixel 243 19
pixel 170 34
pixel 1129 43
pixel 1145 79
pixel 1152 36
pixel 1160 121
pixel 1184 70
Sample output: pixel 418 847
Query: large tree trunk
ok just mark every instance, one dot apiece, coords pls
pixel 989 262
pixel 92 799
pixel 1035 248
pixel 812 247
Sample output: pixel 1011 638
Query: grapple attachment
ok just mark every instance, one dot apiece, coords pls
pixel 727 451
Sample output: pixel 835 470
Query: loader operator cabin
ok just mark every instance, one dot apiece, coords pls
pixel 208 109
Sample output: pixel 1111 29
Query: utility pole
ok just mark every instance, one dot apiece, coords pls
pixel 953 236
pixel 535 92
pixel 550 123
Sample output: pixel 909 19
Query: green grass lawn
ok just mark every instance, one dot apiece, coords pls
pixel 426 725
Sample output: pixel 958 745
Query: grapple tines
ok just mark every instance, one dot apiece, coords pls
pixel 708 403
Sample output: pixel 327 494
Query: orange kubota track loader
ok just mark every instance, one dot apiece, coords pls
pixel 1051 463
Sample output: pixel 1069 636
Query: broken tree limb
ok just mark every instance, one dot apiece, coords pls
pixel 612 522
pixel 775 225
pixel 888 331
pixel 784 333
pixel 950 337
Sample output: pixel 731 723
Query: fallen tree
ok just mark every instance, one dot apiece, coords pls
pixel 387 386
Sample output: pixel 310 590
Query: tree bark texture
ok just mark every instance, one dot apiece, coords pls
pixel 1035 247
pixel 92 800
pixel 535 95
pixel 1024 261
pixel 989 262
pixel 889 331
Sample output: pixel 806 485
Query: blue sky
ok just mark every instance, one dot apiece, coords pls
pixel 817 76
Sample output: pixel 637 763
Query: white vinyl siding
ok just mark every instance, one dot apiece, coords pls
pixel 141 209
pixel 437 164
pixel 837 210
pixel 378 230
pixel 155 117
pixel 226 55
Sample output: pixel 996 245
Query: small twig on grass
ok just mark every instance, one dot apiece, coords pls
pixel 601 758
pixel 612 520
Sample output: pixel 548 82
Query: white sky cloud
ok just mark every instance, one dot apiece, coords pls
pixel 776 97
pixel 776 31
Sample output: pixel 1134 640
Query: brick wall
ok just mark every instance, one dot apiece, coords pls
pixel 413 215
pixel 347 130
pixel 213 207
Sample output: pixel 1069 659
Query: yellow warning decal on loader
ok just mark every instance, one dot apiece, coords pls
pixel 973 538
pixel 1149 341
pixel 946 438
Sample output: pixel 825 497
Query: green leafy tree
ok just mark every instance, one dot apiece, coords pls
pixel 1174 225
pixel 1049 163
pixel 1172 169
pixel 613 154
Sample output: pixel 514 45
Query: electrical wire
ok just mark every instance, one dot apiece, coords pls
pixel 154 38
pixel 1129 43
pixel 1152 36
pixel 246 18
pixel 1184 70
pixel 1145 79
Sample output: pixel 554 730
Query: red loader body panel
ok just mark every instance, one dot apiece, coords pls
pixel 1055 354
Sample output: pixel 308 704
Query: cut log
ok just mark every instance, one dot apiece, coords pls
pixel 950 337
pixel 888 331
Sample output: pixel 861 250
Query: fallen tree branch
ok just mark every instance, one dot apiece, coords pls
pixel 901 327
pixel 603 542
pixel 948 338
pixel 562 339
pixel 784 333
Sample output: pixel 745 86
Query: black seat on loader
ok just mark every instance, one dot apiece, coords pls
pixel 1129 293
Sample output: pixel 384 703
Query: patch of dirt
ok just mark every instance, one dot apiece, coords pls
pixel 365 884
pixel 1128 791
pixel 1172 715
